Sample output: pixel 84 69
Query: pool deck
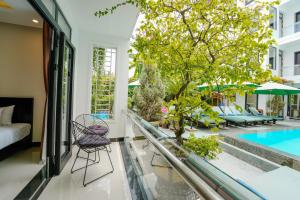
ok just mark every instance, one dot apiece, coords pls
pixel 277 184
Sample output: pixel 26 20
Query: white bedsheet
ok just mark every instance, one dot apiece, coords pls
pixel 13 133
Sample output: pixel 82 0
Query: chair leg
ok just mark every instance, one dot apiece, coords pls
pixel 109 160
pixel 155 165
pixel 86 183
pixel 75 160
pixel 87 161
pixel 146 144
pixel 109 148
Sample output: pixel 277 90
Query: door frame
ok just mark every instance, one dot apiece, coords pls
pixel 54 166
pixel 61 160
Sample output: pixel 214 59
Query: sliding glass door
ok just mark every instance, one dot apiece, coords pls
pixel 64 102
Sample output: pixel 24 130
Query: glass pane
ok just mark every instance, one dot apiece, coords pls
pixel 251 100
pixel 294 106
pixel 273 20
pixel 103 82
pixel 50 5
pixel 297 58
pixel 64 25
pixel 272 57
pixel 65 84
pixel 298 17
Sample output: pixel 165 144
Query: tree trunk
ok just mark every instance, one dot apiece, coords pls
pixel 180 130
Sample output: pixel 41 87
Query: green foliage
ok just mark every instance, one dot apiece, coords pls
pixel 207 147
pixel 101 92
pixel 137 3
pixel 196 42
pixel 276 105
pixel 148 97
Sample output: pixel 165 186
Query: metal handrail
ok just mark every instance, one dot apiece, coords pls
pixel 190 177
pixel 194 170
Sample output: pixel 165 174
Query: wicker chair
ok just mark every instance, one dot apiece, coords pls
pixel 94 123
pixel 89 140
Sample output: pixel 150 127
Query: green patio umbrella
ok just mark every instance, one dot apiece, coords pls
pixel 272 88
pixel 134 84
pixel 223 87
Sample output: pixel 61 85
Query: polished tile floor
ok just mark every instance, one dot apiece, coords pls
pixel 69 186
pixel 17 171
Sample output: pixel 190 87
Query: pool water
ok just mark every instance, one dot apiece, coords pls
pixel 283 140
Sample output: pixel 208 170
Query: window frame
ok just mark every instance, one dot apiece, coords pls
pixel 247 2
pixel 113 114
pixel 275 22
pixel 296 17
pixel 275 58
pixel 297 62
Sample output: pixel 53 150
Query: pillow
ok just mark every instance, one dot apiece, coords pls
pixel 6 116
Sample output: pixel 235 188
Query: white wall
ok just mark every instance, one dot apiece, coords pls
pixel 21 68
pixel 83 72
pixel 288 60
pixel 84 40
pixel 289 11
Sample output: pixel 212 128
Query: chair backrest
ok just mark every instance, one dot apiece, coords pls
pixel 89 120
pixel 240 111
pixel 218 110
pixel 227 111
pixel 253 111
pixel 78 130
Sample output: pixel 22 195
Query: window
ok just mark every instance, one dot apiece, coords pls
pixel 273 20
pixel 281 24
pixel 297 17
pixel 50 5
pixel 297 22
pixel 297 58
pixel 297 63
pixel 103 82
pixel 251 100
pixel 62 22
pixel 280 57
pixel 272 58
pixel 247 2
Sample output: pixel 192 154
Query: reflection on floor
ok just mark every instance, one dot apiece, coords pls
pixel 162 181
pixel 17 170
pixel 69 186
pixel 236 168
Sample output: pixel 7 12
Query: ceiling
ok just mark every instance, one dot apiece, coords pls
pixel 21 13
pixel 121 23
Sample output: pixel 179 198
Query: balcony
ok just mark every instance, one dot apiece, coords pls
pixel 290 30
pixel 290 71
pixel 297 70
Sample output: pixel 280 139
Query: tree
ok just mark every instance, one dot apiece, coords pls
pixel 276 105
pixel 204 41
pixel 148 97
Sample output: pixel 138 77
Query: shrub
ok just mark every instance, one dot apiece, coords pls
pixel 206 147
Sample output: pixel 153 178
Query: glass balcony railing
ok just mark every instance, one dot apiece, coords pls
pixel 163 170
pixel 297 70
pixel 291 70
pixel 289 30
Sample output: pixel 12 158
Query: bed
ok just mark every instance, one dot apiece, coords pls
pixel 18 135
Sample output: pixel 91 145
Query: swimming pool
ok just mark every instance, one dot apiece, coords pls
pixel 283 140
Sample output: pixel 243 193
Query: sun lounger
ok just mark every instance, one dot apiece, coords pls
pixel 255 112
pixel 205 120
pixel 247 116
pixel 248 120
pixel 230 119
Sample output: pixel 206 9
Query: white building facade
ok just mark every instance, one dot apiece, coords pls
pixel 283 58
